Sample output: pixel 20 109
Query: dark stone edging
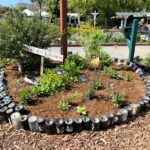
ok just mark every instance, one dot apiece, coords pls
pixel 145 68
pixel 70 125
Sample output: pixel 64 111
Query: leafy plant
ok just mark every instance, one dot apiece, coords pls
pixel 90 91
pixel 118 99
pixel 81 110
pixel 146 61
pixel 48 84
pixel 105 59
pixel 96 84
pixel 76 96
pixel 110 72
pixel 128 78
pixel 70 67
pixel 24 96
pixel 64 106
pixel 78 60
pixel 71 72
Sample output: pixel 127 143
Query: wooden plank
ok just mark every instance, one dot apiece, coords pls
pixel 44 52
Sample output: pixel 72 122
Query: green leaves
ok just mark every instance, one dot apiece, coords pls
pixel 110 72
pixel 81 110
pixel 63 106
pixel 128 78
pixel 118 99
pixel 17 30
pixel 24 96
pixel 146 61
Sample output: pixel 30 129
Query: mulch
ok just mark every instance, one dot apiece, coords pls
pixel 47 106
pixel 132 136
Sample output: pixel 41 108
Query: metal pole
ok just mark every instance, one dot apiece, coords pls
pixel 63 27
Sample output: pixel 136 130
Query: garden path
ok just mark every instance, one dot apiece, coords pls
pixel 114 51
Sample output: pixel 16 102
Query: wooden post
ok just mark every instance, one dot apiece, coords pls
pixel 63 27
pixel 42 65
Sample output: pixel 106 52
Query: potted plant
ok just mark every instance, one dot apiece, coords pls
pixel 89 94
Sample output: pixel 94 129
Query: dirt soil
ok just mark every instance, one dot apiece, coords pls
pixel 47 106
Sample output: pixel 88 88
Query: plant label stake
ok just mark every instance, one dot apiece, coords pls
pixel 130 37
pixel 44 53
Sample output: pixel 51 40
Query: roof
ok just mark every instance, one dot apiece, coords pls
pixel 28 12
pixel 121 15
pixel 44 14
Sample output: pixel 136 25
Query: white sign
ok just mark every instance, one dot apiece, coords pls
pixel 44 52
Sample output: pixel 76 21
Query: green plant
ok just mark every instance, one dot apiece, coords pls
pixel 118 99
pixel 64 105
pixel 5 61
pixel 78 60
pixel 70 67
pixel 110 72
pixel 81 110
pixel 73 97
pixel 128 78
pixel 146 61
pixel 24 96
pixel 90 91
pixel 71 72
pixel 105 59
pixel 17 29
pixel 48 84
pixel 96 84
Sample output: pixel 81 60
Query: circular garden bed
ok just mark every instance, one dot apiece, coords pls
pixel 101 98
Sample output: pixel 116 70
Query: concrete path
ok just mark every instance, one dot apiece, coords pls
pixel 114 51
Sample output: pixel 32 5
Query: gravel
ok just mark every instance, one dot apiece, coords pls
pixel 132 136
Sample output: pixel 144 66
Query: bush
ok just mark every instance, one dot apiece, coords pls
pixel 5 61
pixel 111 72
pixel 17 30
pixel 78 60
pixel 48 84
pixel 24 96
pixel 93 46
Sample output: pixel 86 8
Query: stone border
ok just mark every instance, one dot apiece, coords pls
pixel 145 68
pixel 16 114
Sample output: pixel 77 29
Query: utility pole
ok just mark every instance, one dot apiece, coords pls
pixel 63 27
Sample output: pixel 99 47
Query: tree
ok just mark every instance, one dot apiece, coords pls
pixel 17 30
pixel 52 6
pixel 82 7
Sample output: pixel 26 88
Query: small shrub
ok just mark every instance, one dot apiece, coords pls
pixel 24 96
pixel 146 61
pixel 128 78
pixel 81 110
pixel 110 72
pixel 96 84
pixel 78 60
pixel 76 96
pixel 118 99
pixel 64 106
pixel 48 84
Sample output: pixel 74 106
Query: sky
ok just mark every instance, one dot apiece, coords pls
pixel 12 2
